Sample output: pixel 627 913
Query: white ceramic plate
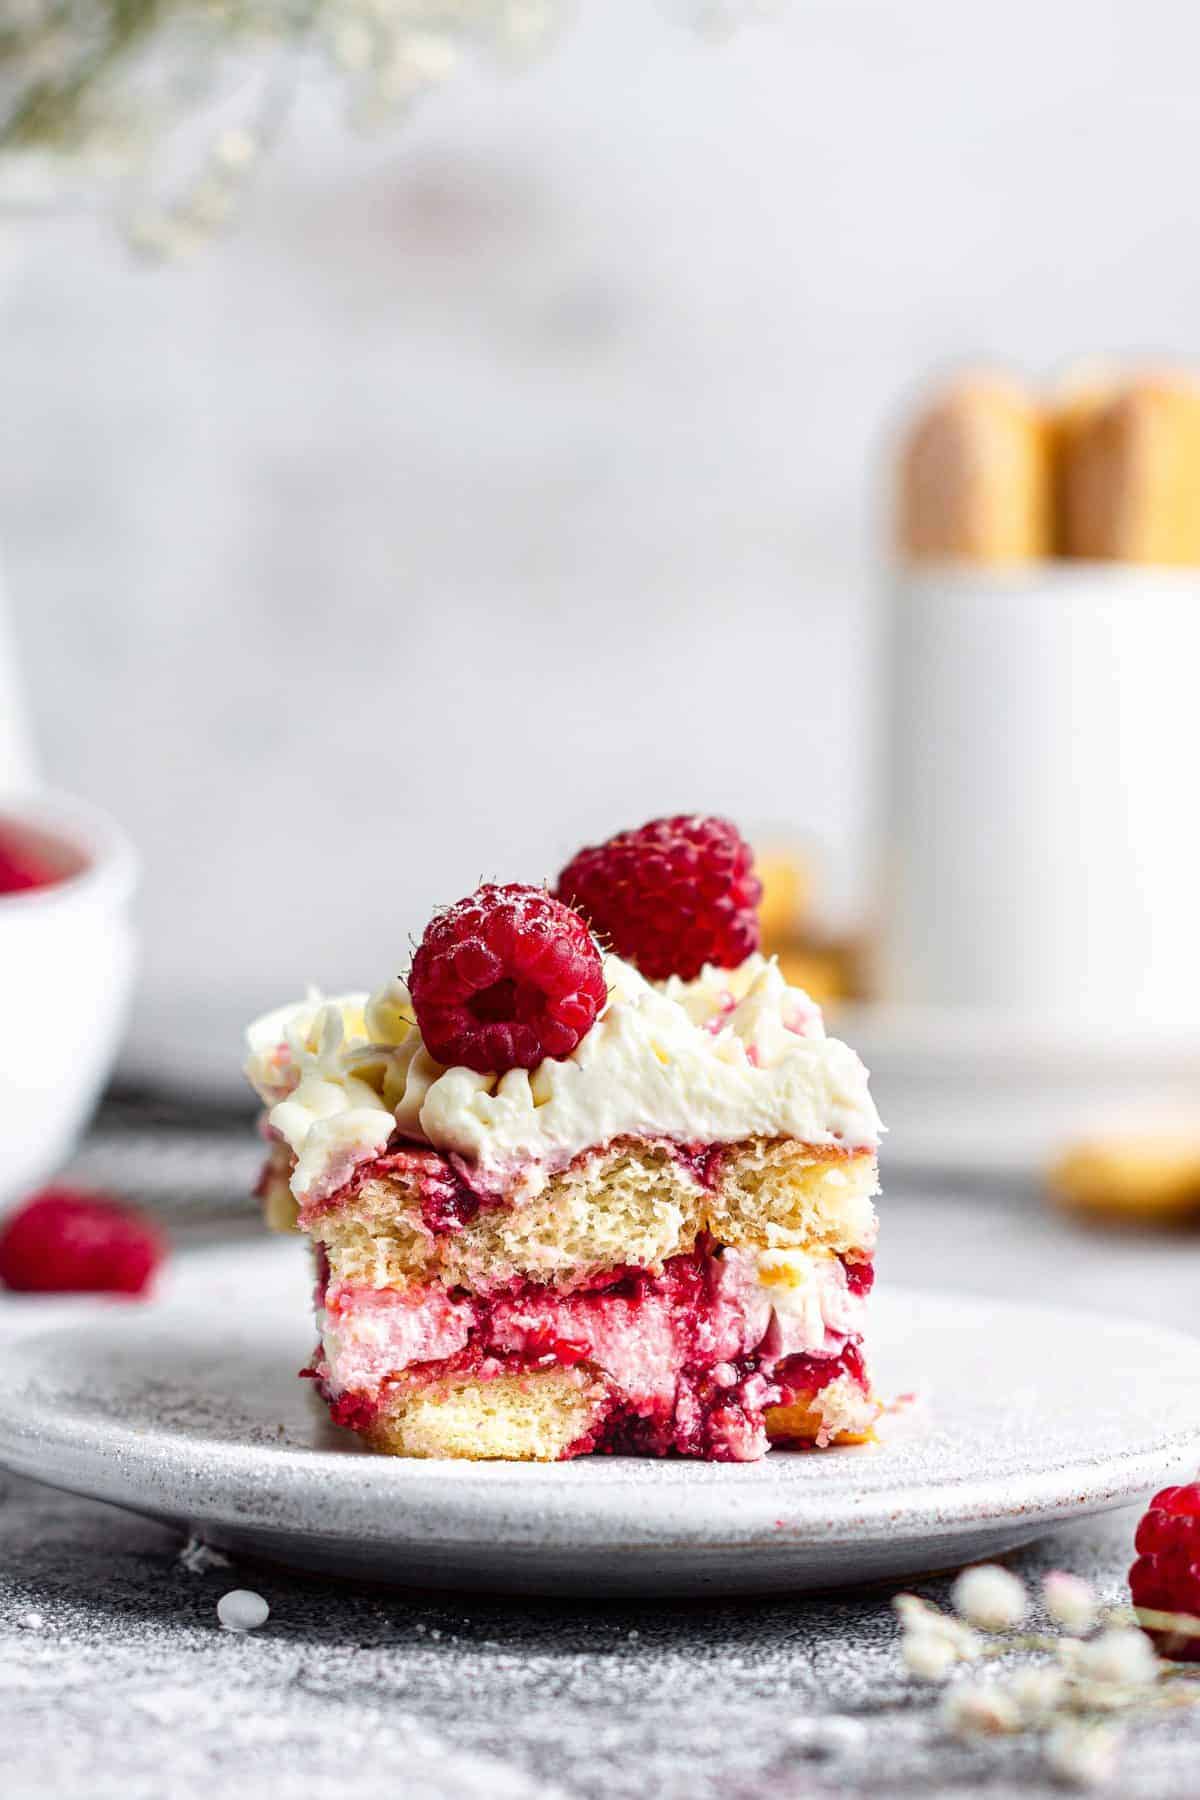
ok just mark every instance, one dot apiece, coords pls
pixel 191 1411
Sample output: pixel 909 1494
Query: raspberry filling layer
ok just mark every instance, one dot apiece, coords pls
pixel 688 1360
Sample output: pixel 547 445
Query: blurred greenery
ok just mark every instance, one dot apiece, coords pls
pixel 56 56
pixel 104 80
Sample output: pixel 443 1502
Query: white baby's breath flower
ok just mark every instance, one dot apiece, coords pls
pixel 429 56
pixel 1070 1602
pixel 990 1597
pixel 932 1641
pixel 982 1709
pixel 1122 1657
pixel 1082 1755
pixel 198 1558
pixel 918 1615
pixel 352 43
pixel 209 203
pixel 928 1656
pixel 236 148
pixel 1037 1691
pixel 913 1612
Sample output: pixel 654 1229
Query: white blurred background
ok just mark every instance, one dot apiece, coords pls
pixel 517 477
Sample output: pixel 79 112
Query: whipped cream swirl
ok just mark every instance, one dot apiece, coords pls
pixel 736 1053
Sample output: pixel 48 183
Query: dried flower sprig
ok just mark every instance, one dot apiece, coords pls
pixel 106 81
pixel 1103 1664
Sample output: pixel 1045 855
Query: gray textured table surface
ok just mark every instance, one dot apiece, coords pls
pixel 116 1679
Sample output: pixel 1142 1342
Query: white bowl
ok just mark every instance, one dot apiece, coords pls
pixel 66 973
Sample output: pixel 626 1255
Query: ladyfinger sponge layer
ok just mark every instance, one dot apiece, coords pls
pixel 634 1204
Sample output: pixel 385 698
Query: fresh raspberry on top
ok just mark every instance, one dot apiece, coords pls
pixel 19 869
pixel 504 979
pixel 67 1242
pixel 671 896
pixel 1166 1576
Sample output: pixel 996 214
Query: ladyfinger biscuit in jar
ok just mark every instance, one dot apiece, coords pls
pixel 1128 470
pixel 975 476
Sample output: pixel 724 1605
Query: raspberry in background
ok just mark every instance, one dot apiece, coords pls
pixel 671 896
pixel 504 979
pixel 1166 1576
pixel 65 1241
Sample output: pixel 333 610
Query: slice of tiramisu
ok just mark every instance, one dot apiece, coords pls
pixel 562 1203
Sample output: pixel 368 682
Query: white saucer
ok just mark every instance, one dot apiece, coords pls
pixel 970 1092
pixel 190 1410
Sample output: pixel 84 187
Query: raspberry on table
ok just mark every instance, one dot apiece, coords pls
pixel 64 1241
pixel 504 979
pixel 671 896
pixel 1166 1576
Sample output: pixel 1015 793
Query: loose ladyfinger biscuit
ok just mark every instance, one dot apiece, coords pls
pixel 828 969
pixel 1143 1177
pixel 975 477
pixel 787 890
pixel 1128 469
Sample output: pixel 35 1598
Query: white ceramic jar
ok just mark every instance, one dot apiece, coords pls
pixel 1040 829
